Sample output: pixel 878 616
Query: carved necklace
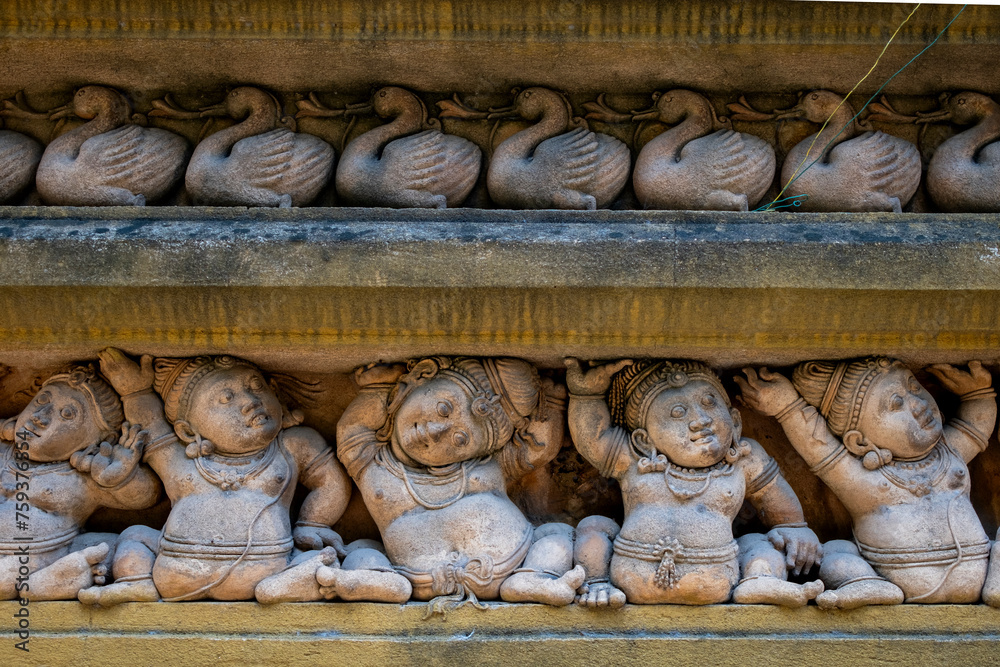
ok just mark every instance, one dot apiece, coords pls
pixel 918 477
pixel 701 476
pixel 704 476
pixel 33 467
pixel 434 477
pixel 228 480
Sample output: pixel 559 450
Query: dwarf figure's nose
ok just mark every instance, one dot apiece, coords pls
pixel 42 415
pixel 436 429
pixel 251 403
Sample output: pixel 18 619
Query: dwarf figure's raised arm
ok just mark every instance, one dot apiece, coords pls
pixel 968 431
pixel 603 444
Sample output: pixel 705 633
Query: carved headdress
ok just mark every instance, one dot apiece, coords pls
pixel 175 380
pixel 634 388
pixel 505 392
pixel 838 389
pixel 106 407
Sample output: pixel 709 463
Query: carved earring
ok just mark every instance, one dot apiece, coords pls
pixel 872 456
pixel 200 447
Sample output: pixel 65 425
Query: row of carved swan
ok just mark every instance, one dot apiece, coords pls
pixel 699 163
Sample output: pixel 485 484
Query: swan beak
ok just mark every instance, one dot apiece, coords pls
pixel 934 116
pixel 784 114
pixel 646 114
pixel 361 109
pixel 61 112
pixel 501 112
pixel 215 111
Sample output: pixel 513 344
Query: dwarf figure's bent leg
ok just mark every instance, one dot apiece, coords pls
pixel 850 580
pixel 593 549
pixel 547 574
pixel 132 569
pixel 764 576
pixel 365 575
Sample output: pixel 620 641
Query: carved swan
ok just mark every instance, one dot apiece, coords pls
pixel 544 166
pixel 258 161
pixel 19 156
pixel 406 163
pixel 690 166
pixel 870 171
pixel 964 173
pixel 109 160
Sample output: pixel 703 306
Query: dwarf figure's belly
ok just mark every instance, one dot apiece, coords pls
pixel 475 542
pixel 207 533
pixel 934 549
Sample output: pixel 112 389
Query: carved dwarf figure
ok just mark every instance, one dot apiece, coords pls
pixel 432 450
pixel 67 454
pixel 229 459
pixel 672 440
pixel 875 436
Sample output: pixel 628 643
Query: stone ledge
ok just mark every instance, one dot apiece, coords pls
pixel 326 289
pixel 363 633
pixel 475 248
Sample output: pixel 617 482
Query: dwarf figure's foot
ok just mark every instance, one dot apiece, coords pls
pixel 599 595
pixel 861 593
pixel 771 590
pixel 543 587
pixel 991 591
pixel 547 574
pixel 852 582
pixel 365 575
pixel 298 582
pixel 63 579
pixel 126 589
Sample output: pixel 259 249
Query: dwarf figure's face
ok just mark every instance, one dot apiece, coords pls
pixel 899 415
pixel 436 425
pixel 57 423
pixel 235 409
pixel 691 425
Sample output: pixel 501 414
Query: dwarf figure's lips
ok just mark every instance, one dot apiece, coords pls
pixel 258 418
pixel 704 434
pixel 926 419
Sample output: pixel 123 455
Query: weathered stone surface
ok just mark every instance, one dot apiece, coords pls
pixel 227 634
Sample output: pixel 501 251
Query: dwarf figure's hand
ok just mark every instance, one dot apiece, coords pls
pixel 311 537
pixel 800 544
pixel 126 376
pixel 960 382
pixel 594 381
pixel 111 465
pixel 377 373
pixel 766 392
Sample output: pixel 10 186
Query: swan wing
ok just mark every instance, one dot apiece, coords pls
pixel 264 158
pixel 571 158
pixel 613 169
pixel 731 161
pixel 885 163
pixel 310 167
pixel 464 160
pixel 418 159
pixel 139 159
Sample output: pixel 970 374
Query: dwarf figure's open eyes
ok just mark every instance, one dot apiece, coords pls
pixel 914 386
pixel 896 402
pixel 256 383
pixel 708 400
pixel 444 408
pixel 43 398
pixel 68 412
pixel 226 396
pixel 678 411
